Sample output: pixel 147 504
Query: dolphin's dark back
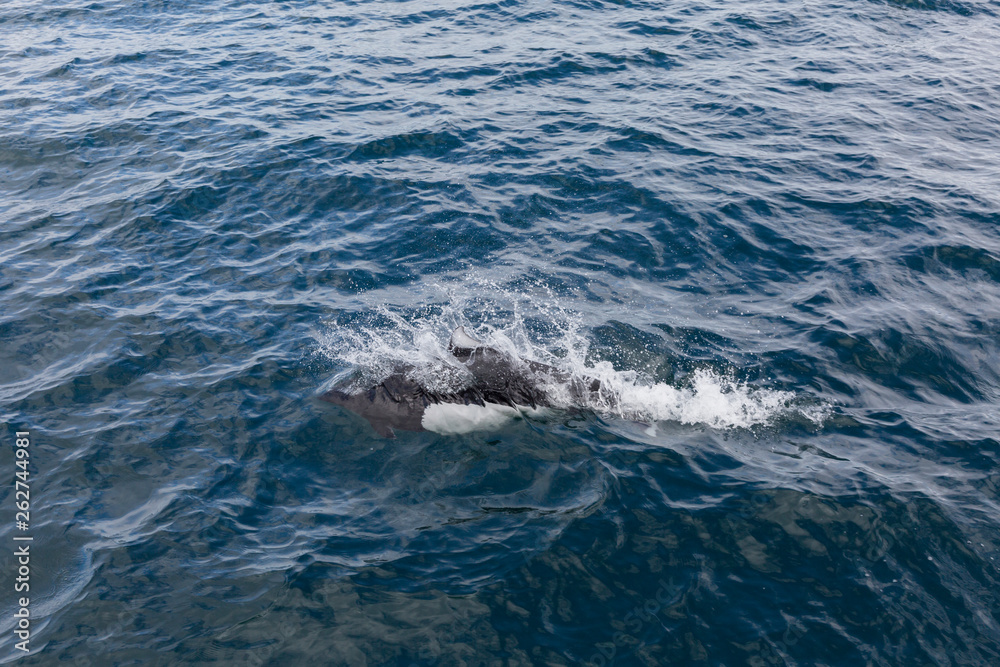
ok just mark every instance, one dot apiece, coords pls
pixel 394 403
pixel 505 379
pixel 500 379
pixel 399 402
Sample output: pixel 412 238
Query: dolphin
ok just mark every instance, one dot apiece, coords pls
pixel 501 386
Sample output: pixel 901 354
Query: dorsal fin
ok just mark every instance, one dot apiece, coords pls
pixel 461 340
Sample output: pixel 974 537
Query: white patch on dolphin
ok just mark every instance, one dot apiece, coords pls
pixel 500 387
pixel 456 418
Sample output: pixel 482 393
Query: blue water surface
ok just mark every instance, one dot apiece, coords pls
pixel 773 226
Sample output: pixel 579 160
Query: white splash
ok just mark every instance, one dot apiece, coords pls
pixel 708 398
pixel 543 329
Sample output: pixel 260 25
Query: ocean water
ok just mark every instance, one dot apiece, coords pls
pixel 771 228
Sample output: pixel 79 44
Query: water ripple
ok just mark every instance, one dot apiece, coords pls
pixel 770 230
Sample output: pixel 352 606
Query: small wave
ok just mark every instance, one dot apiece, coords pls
pixel 960 8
